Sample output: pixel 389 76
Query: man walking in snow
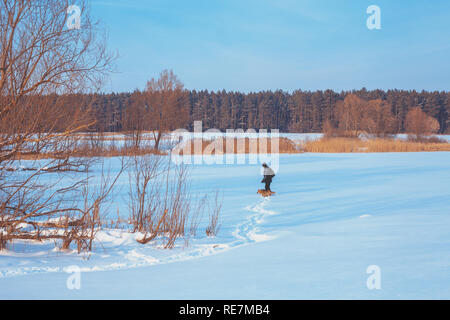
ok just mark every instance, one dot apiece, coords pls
pixel 268 176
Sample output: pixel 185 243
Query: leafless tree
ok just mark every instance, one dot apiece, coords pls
pixel 29 213
pixel 40 57
pixel 160 202
pixel 167 104
pixel 378 118
pixel 145 193
pixel 350 114
pixel 355 115
pixel 136 119
pixel 41 61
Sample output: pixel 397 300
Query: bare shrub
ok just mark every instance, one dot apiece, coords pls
pixel 178 203
pixel 29 213
pixel 159 200
pixel 144 193
pixel 214 217
pixel 89 221
pixel 197 216
pixel 161 206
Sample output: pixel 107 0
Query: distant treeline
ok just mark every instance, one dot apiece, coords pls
pixel 299 111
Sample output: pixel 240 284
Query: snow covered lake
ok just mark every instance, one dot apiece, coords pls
pixel 333 216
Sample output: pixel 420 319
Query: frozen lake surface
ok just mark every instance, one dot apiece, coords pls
pixel 333 216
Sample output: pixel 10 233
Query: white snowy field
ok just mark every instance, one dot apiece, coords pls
pixel 333 216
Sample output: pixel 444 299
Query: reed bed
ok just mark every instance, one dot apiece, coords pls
pixel 347 145
pixel 237 146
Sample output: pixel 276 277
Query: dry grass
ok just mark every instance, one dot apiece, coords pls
pixel 346 145
pixel 87 151
pixel 113 151
pixel 237 146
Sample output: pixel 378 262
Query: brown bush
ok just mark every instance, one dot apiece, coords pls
pixel 355 115
pixel 350 113
pixel 419 124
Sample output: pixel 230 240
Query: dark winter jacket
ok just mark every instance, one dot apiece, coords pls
pixel 268 175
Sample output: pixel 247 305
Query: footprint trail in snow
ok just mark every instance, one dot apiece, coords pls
pixel 125 253
pixel 247 232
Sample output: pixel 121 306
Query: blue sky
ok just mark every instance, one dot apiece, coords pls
pixel 255 45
